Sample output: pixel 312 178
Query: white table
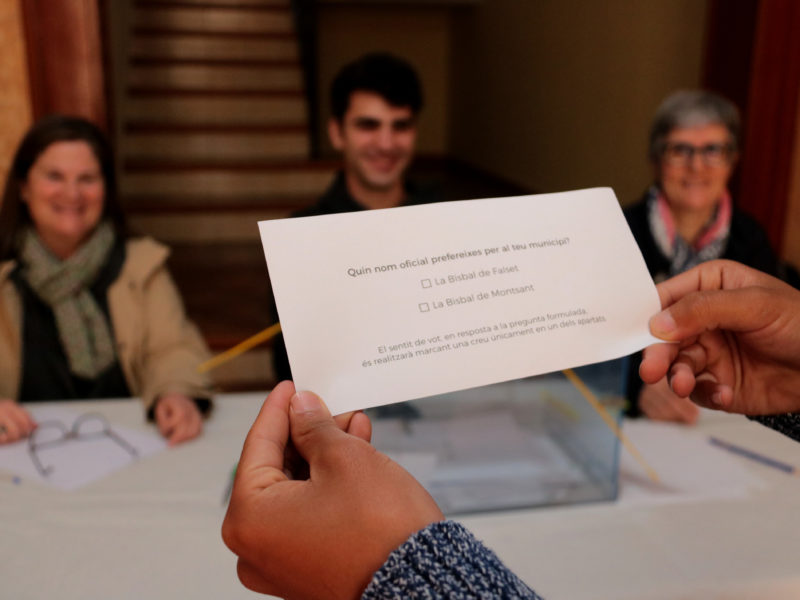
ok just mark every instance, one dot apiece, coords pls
pixel 152 530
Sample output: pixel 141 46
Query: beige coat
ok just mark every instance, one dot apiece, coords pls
pixel 158 347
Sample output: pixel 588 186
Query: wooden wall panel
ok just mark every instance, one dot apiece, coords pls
pixel 15 109
pixel 65 56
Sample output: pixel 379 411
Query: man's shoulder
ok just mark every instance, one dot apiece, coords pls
pixel 335 199
pixel 422 192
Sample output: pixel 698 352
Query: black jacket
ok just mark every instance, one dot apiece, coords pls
pixel 747 243
pixel 336 199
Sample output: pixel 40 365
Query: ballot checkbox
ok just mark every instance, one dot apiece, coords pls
pixel 424 307
pixel 426 283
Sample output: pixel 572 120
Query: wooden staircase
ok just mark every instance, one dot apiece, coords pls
pixel 214 126
pixel 213 138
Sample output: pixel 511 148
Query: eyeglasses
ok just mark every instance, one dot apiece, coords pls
pixel 86 427
pixel 681 154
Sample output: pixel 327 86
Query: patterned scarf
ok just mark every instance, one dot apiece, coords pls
pixel 710 244
pixel 64 286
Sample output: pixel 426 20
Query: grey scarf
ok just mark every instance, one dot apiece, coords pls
pixel 64 286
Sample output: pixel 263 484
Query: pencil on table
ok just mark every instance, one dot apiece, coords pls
pixel 241 348
pixel 612 425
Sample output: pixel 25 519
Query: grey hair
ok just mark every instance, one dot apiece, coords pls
pixel 692 108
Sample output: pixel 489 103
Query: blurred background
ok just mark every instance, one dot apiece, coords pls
pixel 217 110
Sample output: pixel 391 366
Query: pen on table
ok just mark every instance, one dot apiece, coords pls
pixel 589 396
pixel 15 479
pixel 755 456
pixel 229 488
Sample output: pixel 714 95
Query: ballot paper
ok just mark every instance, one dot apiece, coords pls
pixel 383 306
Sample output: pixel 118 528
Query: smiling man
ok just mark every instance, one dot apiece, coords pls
pixel 375 102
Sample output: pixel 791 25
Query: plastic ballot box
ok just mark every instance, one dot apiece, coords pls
pixel 518 444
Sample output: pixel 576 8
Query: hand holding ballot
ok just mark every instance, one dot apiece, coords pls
pixel 324 536
pixel 373 529
pixel 738 334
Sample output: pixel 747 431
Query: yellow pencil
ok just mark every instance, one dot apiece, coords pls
pixel 612 425
pixel 241 348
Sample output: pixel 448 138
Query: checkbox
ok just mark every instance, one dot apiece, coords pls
pixel 426 283
pixel 424 307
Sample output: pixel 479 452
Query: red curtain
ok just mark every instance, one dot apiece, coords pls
pixel 753 57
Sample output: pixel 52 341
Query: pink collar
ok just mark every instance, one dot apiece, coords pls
pixel 716 227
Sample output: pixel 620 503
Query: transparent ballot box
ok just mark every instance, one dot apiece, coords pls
pixel 518 444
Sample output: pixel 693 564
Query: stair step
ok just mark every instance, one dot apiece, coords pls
pixel 156 32
pixel 233 20
pixel 167 127
pixel 295 166
pixel 214 3
pixel 217 111
pixel 217 146
pixel 162 92
pixel 217 78
pixel 208 203
pixel 226 181
pixel 214 62
pixel 184 46
pixel 203 227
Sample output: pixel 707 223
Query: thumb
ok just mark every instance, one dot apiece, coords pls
pixel 311 424
pixel 706 311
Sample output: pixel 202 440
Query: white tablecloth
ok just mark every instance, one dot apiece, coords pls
pixel 152 530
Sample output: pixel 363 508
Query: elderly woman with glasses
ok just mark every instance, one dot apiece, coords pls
pixel 87 311
pixel 688 217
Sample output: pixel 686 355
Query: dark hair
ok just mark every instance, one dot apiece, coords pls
pixel 392 78
pixel 690 108
pixel 14 214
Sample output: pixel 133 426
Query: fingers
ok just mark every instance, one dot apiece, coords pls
pixel 688 364
pixel 178 418
pixel 165 417
pixel 707 311
pixel 248 522
pixel 355 423
pixel 709 276
pixel 656 361
pixel 15 422
pixel 251 578
pixel 312 426
pixel 189 424
pixel 710 394
pixel 261 463
pixel 660 403
pixel 360 426
pixel 717 295
pixel 680 410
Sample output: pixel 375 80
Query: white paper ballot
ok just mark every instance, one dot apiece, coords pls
pixel 383 306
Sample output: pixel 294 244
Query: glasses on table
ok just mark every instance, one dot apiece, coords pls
pixel 682 154
pixel 90 426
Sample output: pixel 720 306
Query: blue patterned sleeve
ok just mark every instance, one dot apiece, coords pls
pixel 445 560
